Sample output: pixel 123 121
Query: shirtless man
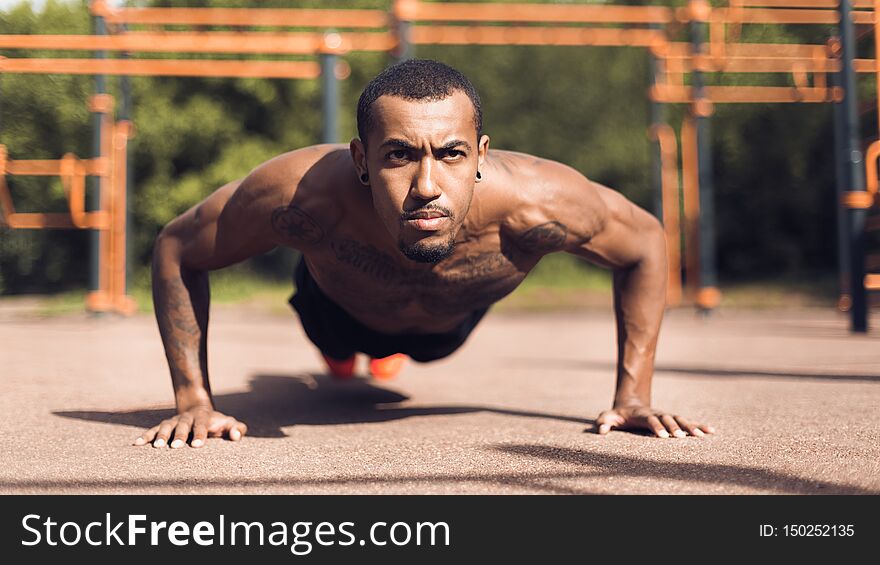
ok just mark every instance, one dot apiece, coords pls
pixel 407 236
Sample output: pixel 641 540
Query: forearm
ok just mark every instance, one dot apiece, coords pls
pixel 639 302
pixel 181 299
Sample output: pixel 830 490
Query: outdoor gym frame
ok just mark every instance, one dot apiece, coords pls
pixel 820 74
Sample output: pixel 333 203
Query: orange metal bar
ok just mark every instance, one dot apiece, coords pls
pixel 871 156
pixel 106 192
pixel 245 17
pixel 199 42
pixel 781 16
pixel 679 49
pixel 494 35
pixel 164 67
pixel 534 13
pixel 877 56
pixel 72 172
pixel 121 303
pixel 691 198
pixel 829 4
pixel 665 136
pixel 744 94
pixel 754 65
pixel 7 208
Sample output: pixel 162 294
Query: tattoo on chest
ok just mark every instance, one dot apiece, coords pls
pixel 466 282
pixel 544 238
pixel 367 259
pixel 468 268
pixel 293 223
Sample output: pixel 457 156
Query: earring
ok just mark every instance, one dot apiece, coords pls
pixel 365 177
pixel 479 176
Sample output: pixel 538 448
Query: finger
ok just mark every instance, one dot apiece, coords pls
pixel 147 436
pixel 671 425
pixel 200 431
pixel 237 430
pixel 655 426
pixel 607 421
pixel 689 427
pixel 706 428
pixel 164 432
pixel 181 432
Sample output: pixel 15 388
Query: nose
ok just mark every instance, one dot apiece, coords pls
pixel 424 186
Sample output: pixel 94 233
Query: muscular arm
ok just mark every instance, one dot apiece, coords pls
pixel 599 224
pixel 632 243
pixel 184 252
pixel 229 226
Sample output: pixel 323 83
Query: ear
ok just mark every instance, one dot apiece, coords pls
pixel 359 157
pixel 482 151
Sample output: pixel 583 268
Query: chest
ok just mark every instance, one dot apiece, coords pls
pixel 362 278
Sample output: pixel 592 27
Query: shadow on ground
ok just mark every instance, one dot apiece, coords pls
pixel 605 464
pixel 582 365
pixel 593 465
pixel 278 401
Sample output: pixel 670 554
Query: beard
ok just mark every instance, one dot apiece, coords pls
pixel 422 252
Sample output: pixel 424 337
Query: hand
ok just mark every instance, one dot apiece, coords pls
pixel 660 423
pixel 202 422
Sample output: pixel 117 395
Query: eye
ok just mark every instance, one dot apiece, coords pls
pixel 397 155
pixel 454 154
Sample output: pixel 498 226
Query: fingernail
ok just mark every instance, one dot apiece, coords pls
pixel 234 435
pixel 176 443
pixel 197 443
pixel 679 433
pixel 664 433
pixel 139 441
pixel 711 430
pixel 698 432
pixel 159 443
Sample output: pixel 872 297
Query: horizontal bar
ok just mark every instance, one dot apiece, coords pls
pixel 534 13
pixel 681 49
pixel 35 221
pixel 744 94
pixel 709 64
pixel 778 16
pixel 830 4
pixel 796 3
pixel 164 67
pixel 50 167
pixel 872 282
pixel 560 36
pixel 201 42
pixel 243 17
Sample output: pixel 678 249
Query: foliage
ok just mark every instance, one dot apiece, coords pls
pixel 585 107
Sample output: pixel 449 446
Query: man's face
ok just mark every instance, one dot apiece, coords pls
pixel 422 159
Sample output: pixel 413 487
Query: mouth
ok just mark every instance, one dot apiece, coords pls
pixel 430 219
pixel 432 223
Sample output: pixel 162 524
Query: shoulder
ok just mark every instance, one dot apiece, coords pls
pixel 546 206
pixel 297 192
pixel 281 178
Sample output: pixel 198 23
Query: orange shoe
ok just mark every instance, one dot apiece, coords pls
pixel 341 369
pixel 388 367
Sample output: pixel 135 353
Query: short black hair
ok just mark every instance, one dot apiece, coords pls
pixel 416 79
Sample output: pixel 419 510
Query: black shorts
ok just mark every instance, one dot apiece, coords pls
pixel 340 336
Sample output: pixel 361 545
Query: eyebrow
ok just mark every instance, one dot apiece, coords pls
pixel 403 144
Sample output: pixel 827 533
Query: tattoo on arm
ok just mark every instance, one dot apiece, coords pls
pixel 182 314
pixel 545 238
pixel 294 224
